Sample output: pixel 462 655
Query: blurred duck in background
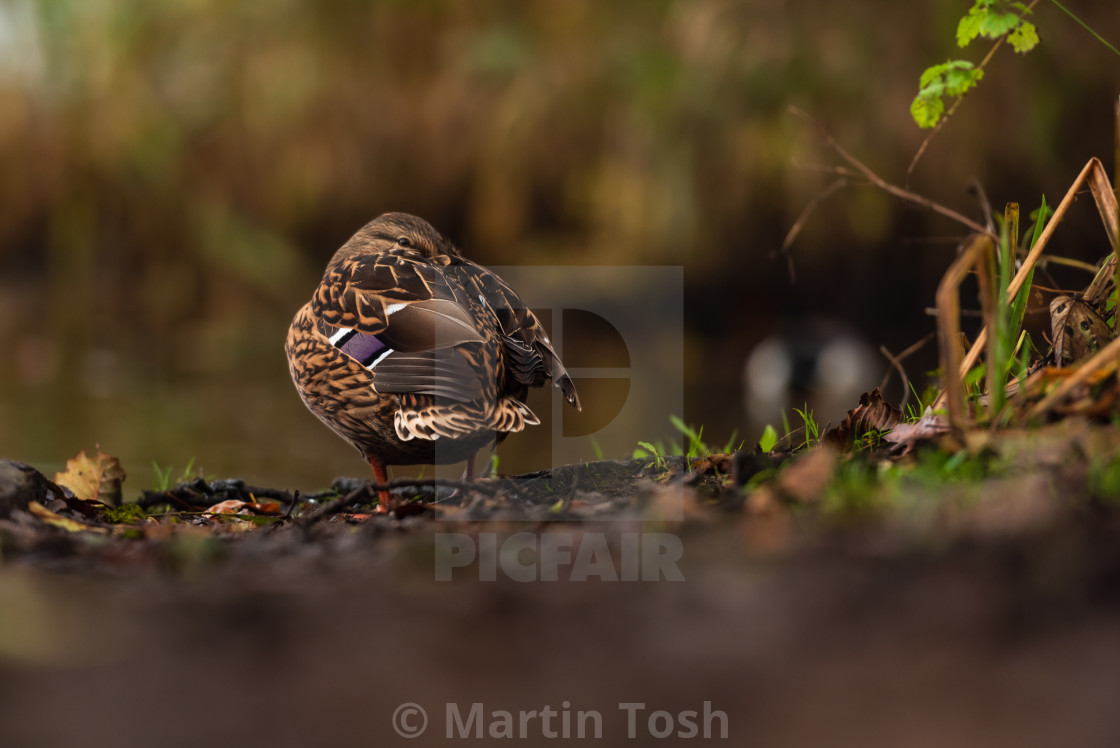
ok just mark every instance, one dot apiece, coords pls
pixel 819 366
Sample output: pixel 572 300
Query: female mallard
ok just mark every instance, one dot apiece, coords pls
pixel 415 354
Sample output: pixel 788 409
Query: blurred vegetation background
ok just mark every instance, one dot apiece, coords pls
pixel 174 175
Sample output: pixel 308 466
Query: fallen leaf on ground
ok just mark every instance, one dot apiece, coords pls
pixel 873 413
pixel 714 463
pixel 57 520
pixel 906 435
pixel 93 478
pixel 236 506
pixel 1077 329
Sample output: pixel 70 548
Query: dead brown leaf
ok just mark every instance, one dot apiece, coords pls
pixel 713 463
pixel 1077 329
pixel 235 506
pixel 906 435
pixel 93 478
pixel 873 413
pixel 57 520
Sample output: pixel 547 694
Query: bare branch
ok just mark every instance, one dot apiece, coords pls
pixel 799 224
pixel 886 186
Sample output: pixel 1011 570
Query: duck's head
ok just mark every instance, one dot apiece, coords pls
pixel 396 231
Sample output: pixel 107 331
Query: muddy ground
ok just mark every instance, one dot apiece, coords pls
pixel 790 627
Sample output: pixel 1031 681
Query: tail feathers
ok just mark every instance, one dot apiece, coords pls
pixel 568 388
pixel 452 422
pixel 555 370
pixel 513 415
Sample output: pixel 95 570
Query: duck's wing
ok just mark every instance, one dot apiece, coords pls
pixel 530 357
pixel 400 318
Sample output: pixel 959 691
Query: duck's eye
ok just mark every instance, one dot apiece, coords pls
pixel 404 242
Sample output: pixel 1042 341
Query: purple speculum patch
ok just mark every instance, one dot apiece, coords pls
pixel 367 350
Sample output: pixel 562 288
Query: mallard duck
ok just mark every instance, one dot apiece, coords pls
pixel 414 354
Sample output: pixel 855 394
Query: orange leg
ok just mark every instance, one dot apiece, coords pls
pixel 381 476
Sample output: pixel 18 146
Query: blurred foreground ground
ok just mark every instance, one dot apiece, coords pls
pixel 981 613
pixel 1006 644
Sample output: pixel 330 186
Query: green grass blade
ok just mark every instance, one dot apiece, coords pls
pixel 1086 26
pixel 768 439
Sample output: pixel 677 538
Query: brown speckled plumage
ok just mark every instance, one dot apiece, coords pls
pixel 413 353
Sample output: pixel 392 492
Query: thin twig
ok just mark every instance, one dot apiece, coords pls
pixel 292 506
pixel 1068 262
pixel 886 186
pixel 985 206
pixel 896 362
pixel 915 347
pixel 799 224
pixel 337 505
pixel 896 366
pixel 926 141
pixel 931 311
